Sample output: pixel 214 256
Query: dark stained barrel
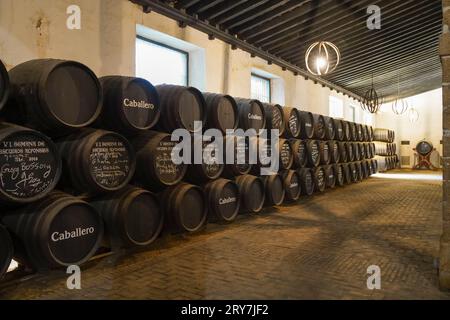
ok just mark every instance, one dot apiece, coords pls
pixel 286 154
pixel 293 122
pixel 306 181
pixel 59 230
pixel 30 165
pixel 251 114
pixel 366 133
pixel 347 173
pixel 132 217
pixel 313 153
pixel 223 200
pixel 342 151
pixel 353 172
pixel 424 148
pixel 355 150
pixel 319 127
pixel 292 185
pixel 350 152
pixel 335 155
pixel 307 125
pixel 374 165
pixel 340 174
pixel 353 131
pixel 330 177
pixel 4 85
pixel 221 112
pixel 347 130
pixel 359 132
pixel 185 208
pixel 365 168
pixel 129 105
pixel 53 96
pixel 252 193
pixel 362 151
pixel 6 250
pixel 181 107
pixel 211 167
pixel 320 179
pixel 359 170
pixel 155 168
pixel 274 186
pixel 274 117
pixel 339 128
pixel 325 153
pixel 298 148
pixel 371 134
pixel 236 148
pixel 330 129
pixel 96 161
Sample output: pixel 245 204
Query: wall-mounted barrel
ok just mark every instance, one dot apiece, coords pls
pixel 6 250
pixel 293 122
pixel 335 155
pixel 96 161
pixel 155 168
pixel 330 177
pixel 342 151
pixel 298 148
pixel 236 148
pixel 274 186
pixel 252 193
pixel 4 85
pixel 132 217
pixel 325 154
pixel 274 117
pixel 30 165
pixel 129 105
pixel 306 181
pixel 340 174
pixel 330 129
pixel 347 130
pixel 223 200
pixel 313 153
pixel 339 130
pixel 292 185
pixel 347 173
pixel 181 107
pixel 307 125
pixel 185 208
pixel 320 179
pixel 59 230
pixel 53 96
pixel 221 112
pixel 319 127
pixel 251 114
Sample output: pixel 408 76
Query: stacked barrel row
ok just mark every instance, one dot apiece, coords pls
pixel 386 149
pixel 88 163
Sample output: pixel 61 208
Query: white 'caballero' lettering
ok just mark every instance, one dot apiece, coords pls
pixel 78 232
pixel 138 104
pixel 227 200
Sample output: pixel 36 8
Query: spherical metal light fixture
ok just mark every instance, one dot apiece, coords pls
pixel 413 115
pixel 399 106
pixel 319 57
pixel 371 101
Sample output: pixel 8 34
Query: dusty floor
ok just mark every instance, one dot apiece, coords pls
pixel 318 249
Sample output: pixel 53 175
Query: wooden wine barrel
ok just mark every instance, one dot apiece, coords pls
pixel 221 112
pixel 223 200
pixel 366 169
pixel 343 151
pixel 59 230
pixel 293 123
pixel 155 169
pixel 359 132
pixel 292 185
pixel 298 148
pixel 130 105
pixel 374 165
pixel 350 152
pixel 340 174
pixel 319 127
pixel 384 135
pixel 30 165
pixel 252 191
pixel 353 131
pixel 96 161
pixel 330 129
pixel 424 148
pixel 366 149
pixel 307 125
pixel 53 96
pixel 359 172
pixel 211 166
pixel 330 177
pixel 362 151
pixel 185 208
pixel 251 114
pixel 4 85
pixel 275 119
pixel 347 130
pixel 335 155
pixel 274 187
pixel 356 151
pixel 285 154
pixel 340 130
pixel 6 251
pixel 306 181
pixel 366 133
pixel 370 134
pixel 325 153
pixel 347 173
pixel 353 172
pixel 132 217
pixel 313 153
pixel 181 107
pixel 236 148
pixel 320 180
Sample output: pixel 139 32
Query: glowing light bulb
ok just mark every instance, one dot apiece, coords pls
pixel 321 63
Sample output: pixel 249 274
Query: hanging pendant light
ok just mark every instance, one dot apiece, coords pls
pixel 371 101
pixel 399 106
pixel 319 56
pixel 413 115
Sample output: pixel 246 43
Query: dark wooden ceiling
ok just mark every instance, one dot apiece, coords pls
pixel 405 47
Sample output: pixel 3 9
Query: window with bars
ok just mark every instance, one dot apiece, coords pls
pixel 261 88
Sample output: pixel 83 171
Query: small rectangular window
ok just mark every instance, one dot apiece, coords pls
pixel 160 64
pixel 368 118
pixel 336 106
pixel 260 88
pixel 352 113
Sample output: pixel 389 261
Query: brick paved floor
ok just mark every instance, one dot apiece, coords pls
pixel 317 249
